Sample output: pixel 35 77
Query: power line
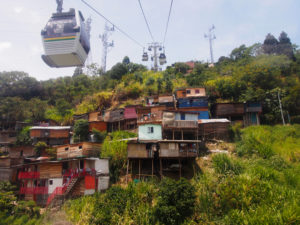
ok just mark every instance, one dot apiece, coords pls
pixel 167 26
pixel 118 28
pixel 146 20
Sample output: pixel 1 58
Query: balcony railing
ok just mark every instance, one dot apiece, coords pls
pixel 72 174
pixel 29 175
pixel 181 124
pixel 34 190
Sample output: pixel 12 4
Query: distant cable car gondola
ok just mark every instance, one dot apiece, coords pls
pixel 162 59
pixel 145 56
pixel 65 40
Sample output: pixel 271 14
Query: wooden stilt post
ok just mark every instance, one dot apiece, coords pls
pixel 160 164
pixel 139 169
pixel 127 171
pixel 197 145
pixel 181 134
pixel 152 167
pixel 179 168
pixel 173 135
pixel 131 171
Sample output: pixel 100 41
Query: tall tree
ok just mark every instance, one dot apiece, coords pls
pixel 270 44
pixel 285 46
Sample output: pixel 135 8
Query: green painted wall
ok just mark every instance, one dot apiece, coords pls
pixel 150 132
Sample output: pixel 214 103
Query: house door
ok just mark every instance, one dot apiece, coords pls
pixel 253 119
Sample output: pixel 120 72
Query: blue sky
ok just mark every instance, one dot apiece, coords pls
pixel 237 22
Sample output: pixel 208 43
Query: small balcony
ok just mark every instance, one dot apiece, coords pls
pixel 181 124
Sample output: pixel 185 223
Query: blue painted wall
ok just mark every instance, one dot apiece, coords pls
pixel 185 103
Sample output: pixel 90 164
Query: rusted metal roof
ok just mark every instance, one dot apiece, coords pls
pixel 130 113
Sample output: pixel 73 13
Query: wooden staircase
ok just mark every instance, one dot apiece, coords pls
pixel 59 195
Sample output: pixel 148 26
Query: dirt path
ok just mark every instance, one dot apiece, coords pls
pixel 56 218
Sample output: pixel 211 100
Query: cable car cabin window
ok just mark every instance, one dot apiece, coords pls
pixel 84 40
pixel 60 27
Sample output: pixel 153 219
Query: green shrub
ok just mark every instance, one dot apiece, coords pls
pixel 23 137
pixel 81 131
pixel 235 132
pixel 114 148
pixel 224 165
pixel 40 147
pixel 98 135
pixel 176 201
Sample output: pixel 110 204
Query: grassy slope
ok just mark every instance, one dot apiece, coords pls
pixel 256 183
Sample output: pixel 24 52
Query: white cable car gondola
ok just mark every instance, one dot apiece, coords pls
pixel 65 40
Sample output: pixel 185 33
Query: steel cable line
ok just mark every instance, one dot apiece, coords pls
pixel 118 28
pixel 146 20
pixel 167 26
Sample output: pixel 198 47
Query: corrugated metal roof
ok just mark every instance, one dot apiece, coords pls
pixel 51 128
pixel 130 113
pixel 214 121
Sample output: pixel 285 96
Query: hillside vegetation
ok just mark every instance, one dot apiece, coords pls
pixel 257 183
pixel 256 73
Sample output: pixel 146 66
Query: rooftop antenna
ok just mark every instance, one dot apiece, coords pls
pixel 59 6
pixel 106 44
pixel 211 36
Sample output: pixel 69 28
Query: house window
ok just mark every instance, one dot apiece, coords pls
pixel 50 182
pixel 150 130
pixel 182 116
pixel 188 91
pixel 197 91
pixel 66 149
pixel 80 147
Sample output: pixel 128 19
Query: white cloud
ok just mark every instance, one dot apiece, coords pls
pixel 36 50
pixel 18 10
pixel 5 45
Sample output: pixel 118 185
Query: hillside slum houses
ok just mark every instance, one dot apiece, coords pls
pixel 170 128
pixel 74 170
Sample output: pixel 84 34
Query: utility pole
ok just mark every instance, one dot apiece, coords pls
pixel 211 36
pixel 280 106
pixel 106 44
pixel 156 47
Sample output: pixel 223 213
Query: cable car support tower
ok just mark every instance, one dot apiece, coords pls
pixel 211 36
pixel 106 45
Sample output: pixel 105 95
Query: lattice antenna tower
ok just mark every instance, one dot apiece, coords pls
pixel 211 36
pixel 106 45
